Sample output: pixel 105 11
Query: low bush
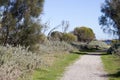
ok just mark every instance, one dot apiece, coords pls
pixel 56 35
pixel 55 46
pixel 93 45
pixel 114 49
pixel 68 37
pixel 98 45
pixel 17 61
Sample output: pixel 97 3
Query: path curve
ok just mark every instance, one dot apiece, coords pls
pixel 88 67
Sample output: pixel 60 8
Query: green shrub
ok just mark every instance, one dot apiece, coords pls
pixel 69 37
pixel 84 34
pixel 98 45
pixel 42 38
pixel 56 35
pixel 79 45
pixel 114 49
pixel 55 46
pixel 93 45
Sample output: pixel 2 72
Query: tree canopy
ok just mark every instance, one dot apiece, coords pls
pixel 110 19
pixel 56 35
pixel 84 34
pixel 18 24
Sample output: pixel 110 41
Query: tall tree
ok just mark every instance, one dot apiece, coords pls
pixel 17 21
pixel 110 19
pixel 84 34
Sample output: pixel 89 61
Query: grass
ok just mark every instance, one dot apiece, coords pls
pixel 56 69
pixel 112 66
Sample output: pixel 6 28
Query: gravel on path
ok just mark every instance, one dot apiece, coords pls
pixel 88 67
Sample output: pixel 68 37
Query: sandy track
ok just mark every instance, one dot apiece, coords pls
pixel 88 67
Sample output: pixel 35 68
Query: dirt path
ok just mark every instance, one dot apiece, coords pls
pixel 88 67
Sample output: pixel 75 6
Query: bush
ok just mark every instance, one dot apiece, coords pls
pixel 84 34
pixel 17 61
pixel 56 35
pixel 114 49
pixel 42 38
pixel 98 45
pixel 69 37
pixel 79 45
pixel 55 46
pixel 93 45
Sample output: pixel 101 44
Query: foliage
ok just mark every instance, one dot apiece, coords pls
pixel 18 25
pixel 78 45
pixel 114 49
pixel 59 36
pixel 69 37
pixel 55 46
pixel 91 46
pixel 16 62
pixel 98 45
pixel 56 35
pixel 42 38
pixel 110 19
pixel 84 34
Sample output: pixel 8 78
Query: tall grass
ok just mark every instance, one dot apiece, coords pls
pixel 55 46
pixel 17 63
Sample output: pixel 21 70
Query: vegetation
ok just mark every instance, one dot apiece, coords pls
pixel 16 62
pixel 27 54
pixel 84 34
pixel 91 46
pixel 110 18
pixel 18 25
pixel 112 66
pixel 114 49
pixel 56 35
pixel 19 63
pixel 98 45
pixel 69 37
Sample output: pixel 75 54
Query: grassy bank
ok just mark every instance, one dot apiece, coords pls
pixel 57 67
pixel 112 66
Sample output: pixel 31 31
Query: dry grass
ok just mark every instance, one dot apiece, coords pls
pixel 19 63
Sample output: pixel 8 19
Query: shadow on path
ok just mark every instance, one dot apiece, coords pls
pixel 91 53
pixel 115 75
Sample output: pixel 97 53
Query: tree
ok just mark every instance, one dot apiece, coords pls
pixel 56 35
pixel 84 34
pixel 69 37
pixel 18 24
pixel 110 19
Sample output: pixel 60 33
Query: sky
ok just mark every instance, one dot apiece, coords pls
pixel 77 12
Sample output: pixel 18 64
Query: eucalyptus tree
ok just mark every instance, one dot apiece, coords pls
pixel 84 34
pixel 18 25
pixel 110 19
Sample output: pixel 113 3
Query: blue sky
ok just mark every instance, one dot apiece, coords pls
pixel 77 12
